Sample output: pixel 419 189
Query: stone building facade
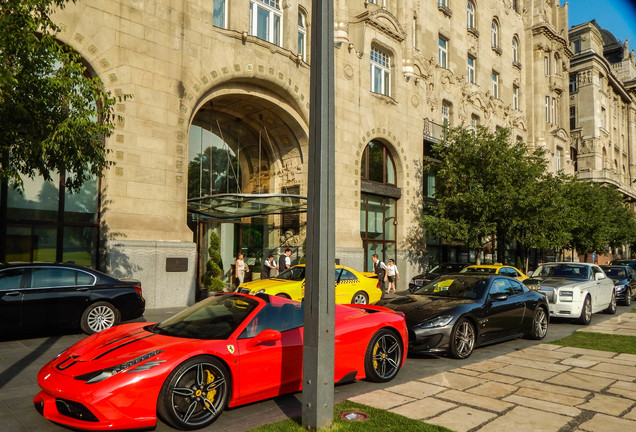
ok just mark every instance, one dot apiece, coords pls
pixel 602 89
pixel 220 106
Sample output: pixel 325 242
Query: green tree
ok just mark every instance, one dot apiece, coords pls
pixel 53 116
pixel 482 180
pixel 214 268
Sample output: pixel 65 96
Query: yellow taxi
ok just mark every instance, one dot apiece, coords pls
pixel 351 286
pixel 497 268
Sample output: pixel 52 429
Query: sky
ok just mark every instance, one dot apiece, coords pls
pixel 616 16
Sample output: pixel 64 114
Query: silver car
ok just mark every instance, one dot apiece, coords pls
pixel 574 290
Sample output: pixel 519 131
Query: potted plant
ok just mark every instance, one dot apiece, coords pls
pixel 212 281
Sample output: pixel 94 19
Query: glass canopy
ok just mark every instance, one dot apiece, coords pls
pixel 233 206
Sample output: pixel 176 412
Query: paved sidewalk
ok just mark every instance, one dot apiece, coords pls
pixel 541 388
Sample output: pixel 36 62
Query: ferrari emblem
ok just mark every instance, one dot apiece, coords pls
pixel 230 348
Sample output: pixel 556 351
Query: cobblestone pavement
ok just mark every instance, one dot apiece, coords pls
pixel 540 388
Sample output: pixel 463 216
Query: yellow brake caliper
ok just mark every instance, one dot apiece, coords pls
pixel 210 395
pixel 375 352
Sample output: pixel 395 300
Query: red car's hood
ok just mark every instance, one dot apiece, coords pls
pixel 113 347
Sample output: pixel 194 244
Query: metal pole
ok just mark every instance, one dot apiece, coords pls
pixel 318 349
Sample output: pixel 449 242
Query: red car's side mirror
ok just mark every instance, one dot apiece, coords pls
pixel 266 335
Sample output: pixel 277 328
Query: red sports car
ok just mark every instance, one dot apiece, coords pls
pixel 228 350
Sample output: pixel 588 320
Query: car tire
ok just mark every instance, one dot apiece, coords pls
pixel 185 402
pixel 463 338
pixel 539 326
pixel 383 358
pixel 586 312
pixel 360 298
pixel 99 316
pixel 628 297
pixel 611 309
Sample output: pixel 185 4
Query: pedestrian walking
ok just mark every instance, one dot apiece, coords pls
pixel 240 268
pixel 379 268
pixel 392 275
pixel 268 265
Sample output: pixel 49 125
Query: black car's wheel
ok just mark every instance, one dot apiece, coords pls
pixel 99 316
pixel 586 312
pixel 539 324
pixel 383 358
pixel 611 309
pixel 360 298
pixel 628 296
pixel 463 339
pixel 195 393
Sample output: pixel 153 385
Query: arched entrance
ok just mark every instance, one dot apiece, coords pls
pixel 245 179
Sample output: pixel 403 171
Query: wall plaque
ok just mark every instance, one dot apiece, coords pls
pixel 176 264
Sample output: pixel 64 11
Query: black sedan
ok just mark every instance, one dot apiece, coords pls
pixel 624 278
pixel 420 280
pixel 53 295
pixel 457 312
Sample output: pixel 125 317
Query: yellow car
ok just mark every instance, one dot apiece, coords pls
pixel 351 286
pixel 500 269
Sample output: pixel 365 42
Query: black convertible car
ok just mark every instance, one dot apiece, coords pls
pixel 457 312
pixel 38 296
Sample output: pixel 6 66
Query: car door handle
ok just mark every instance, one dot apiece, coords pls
pixel 81 289
pixel 13 293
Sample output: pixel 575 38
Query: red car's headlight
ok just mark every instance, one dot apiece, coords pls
pixel 100 375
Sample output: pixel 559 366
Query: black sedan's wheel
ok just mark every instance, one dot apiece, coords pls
pixel 611 309
pixel 539 324
pixel 383 358
pixel 586 312
pixel 628 296
pixel 360 298
pixel 99 316
pixel 195 393
pixel 462 340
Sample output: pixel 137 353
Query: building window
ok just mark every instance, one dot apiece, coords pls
pixel 474 122
pixel 515 49
pixel 442 53
pixel 547 109
pixel 557 61
pixel 378 211
pixel 414 31
pixel 553 111
pixel 302 35
pixel 380 72
pixel 572 117
pixel 446 113
pixel 558 155
pixel 470 72
pixel 265 20
pixel 219 13
pixel 573 83
pixel 494 34
pixel 603 117
pixel 515 97
pixel 470 15
pixel 495 85
pixel 577 46
pixel 546 66
pixel 442 3
pixel 515 5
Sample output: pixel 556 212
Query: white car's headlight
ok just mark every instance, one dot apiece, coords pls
pixel 566 296
pixel 440 321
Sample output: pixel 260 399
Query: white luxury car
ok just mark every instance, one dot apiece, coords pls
pixel 574 290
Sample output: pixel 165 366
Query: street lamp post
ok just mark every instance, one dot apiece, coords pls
pixel 319 315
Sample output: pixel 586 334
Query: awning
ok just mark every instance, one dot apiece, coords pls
pixel 237 206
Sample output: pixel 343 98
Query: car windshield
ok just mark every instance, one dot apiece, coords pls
pixel 570 271
pixel 447 268
pixel 466 287
pixel 615 272
pixel 213 318
pixel 292 274
pixel 482 270
pixel 631 264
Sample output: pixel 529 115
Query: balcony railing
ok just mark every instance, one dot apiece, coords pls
pixel 433 131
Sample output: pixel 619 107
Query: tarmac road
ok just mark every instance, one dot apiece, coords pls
pixel 21 359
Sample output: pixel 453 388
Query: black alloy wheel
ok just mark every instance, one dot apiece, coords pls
pixel 195 393
pixel 463 339
pixel 539 324
pixel 383 357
